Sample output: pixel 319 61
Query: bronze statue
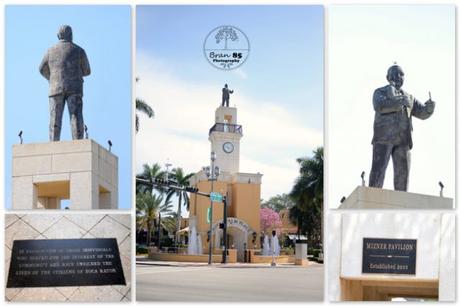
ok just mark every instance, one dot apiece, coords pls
pixel 64 66
pixel 226 95
pixel 394 109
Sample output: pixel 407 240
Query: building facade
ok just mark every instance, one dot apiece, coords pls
pixel 241 189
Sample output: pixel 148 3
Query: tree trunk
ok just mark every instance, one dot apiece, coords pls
pixel 178 219
pixel 159 231
pixel 299 224
pixel 322 229
pixel 149 230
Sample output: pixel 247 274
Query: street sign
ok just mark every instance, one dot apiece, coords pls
pixel 216 197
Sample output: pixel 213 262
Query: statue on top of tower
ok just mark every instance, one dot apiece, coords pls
pixel 226 95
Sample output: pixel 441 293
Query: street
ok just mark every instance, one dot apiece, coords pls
pixel 229 283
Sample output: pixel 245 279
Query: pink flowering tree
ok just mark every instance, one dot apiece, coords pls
pixel 269 220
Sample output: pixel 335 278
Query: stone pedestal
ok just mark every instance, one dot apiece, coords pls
pixel 376 198
pixel 435 262
pixel 80 171
pixel 301 253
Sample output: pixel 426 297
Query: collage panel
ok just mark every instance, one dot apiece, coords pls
pixel 68 257
pixel 68 107
pixel 68 130
pixel 230 169
pixel 391 107
pixel 386 62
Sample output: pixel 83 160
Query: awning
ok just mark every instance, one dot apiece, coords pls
pixel 296 237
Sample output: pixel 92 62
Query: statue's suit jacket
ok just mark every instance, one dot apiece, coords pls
pixel 64 66
pixel 226 93
pixel 393 121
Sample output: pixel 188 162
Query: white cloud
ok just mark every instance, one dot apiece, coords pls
pixel 239 72
pixel 184 112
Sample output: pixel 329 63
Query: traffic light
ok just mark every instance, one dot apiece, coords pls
pixel 160 181
pixel 191 189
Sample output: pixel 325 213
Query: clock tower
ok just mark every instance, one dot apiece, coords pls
pixel 242 191
pixel 225 137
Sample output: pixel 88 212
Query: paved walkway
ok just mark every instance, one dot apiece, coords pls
pixel 195 282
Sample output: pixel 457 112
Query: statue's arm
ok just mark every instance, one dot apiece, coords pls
pixel 44 67
pixel 85 68
pixel 423 111
pixel 384 104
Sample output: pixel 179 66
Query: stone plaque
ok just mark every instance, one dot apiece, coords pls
pixel 65 262
pixel 395 256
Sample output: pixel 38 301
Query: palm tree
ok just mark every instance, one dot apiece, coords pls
pixel 150 173
pixel 148 207
pixel 169 222
pixel 307 195
pixel 182 179
pixel 142 107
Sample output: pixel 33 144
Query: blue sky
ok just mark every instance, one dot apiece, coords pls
pixel 285 61
pixel 278 90
pixel 105 34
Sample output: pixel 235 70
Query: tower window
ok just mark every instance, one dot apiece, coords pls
pixel 227 118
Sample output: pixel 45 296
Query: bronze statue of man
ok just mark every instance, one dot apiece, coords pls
pixel 394 109
pixel 226 95
pixel 64 66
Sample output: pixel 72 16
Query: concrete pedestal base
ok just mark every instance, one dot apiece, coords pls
pixel 301 253
pixel 81 171
pixel 435 261
pixel 301 262
pixel 376 198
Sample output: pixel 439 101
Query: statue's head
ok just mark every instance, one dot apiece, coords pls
pixel 226 86
pixel 65 33
pixel 395 75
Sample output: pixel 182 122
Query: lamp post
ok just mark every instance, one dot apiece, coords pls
pixel 212 173
pixel 224 253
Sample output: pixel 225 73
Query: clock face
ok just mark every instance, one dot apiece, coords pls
pixel 228 147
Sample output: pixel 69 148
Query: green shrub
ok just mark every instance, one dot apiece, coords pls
pixel 141 249
pixel 314 252
pixel 166 242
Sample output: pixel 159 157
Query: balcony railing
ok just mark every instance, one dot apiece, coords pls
pixel 227 127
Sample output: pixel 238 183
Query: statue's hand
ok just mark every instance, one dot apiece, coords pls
pixel 429 106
